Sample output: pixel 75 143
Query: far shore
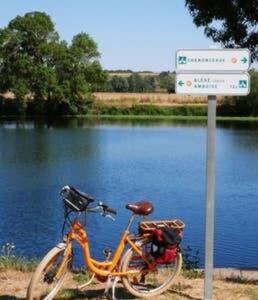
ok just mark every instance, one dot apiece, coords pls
pixel 132 117
pixel 162 117
pixel 139 106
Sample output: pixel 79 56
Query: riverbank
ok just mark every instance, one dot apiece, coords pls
pixel 109 117
pixel 161 117
pixel 142 105
pixel 229 284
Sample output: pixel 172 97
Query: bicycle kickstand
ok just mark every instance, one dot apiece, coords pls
pixel 111 282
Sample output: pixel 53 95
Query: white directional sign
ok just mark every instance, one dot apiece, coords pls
pixel 213 60
pixel 213 84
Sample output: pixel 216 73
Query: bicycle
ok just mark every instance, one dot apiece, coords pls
pixel 132 261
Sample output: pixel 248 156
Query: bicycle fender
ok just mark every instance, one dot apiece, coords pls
pixel 61 245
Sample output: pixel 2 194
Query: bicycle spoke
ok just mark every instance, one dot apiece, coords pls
pixel 151 278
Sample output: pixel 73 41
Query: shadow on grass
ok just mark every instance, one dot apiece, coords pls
pixel 121 293
pixel 241 280
pixel 180 290
pixel 6 297
pixel 75 294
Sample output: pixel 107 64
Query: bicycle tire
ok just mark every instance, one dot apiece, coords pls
pixel 45 262
pixel 157 291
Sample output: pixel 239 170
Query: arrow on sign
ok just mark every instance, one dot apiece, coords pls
pixel 181 83
pixel 244 60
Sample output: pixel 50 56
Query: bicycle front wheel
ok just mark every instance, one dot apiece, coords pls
pixel 148 283
pixel 49 275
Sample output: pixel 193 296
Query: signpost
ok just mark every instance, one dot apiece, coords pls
pixel 213 84
pixel 213 60
pixel 212 72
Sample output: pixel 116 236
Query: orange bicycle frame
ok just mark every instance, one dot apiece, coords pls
pixel 106 268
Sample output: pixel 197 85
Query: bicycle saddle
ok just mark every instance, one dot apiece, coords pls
pixel 142 208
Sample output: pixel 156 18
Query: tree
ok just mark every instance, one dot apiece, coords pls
pixel 35 65
pixel 119 84
pixel 136 83
pixel 249 104
pixel 167 81
pixel 231 23
pixel 149 84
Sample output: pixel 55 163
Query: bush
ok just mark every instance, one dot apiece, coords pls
pixel 150 110
pixel 191 264
pixel 242 106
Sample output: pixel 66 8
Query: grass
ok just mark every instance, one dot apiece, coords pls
pixel 157 99
pixel 8 260
pixel 154 118
pixel 249 292
pixel 17 263
pixel 158 106
pixel 127 74
pixel 138 117
pixel 241 280
pixel 193 273
pixel 81 277
pixel 70 294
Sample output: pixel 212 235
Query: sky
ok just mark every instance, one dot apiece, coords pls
pixel 136 34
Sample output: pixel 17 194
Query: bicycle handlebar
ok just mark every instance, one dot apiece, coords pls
pixel 107 209
pixel 111 210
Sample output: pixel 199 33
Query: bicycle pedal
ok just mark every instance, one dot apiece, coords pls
pixel 107 252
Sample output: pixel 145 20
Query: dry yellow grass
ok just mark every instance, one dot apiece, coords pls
pixel 123 74
pixel 157 99
pixel 8 95
pixel 13 285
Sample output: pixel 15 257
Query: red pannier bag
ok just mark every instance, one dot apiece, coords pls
pixel 165 244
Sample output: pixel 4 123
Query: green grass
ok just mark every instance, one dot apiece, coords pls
pixel 149 110
pixel 8 260
pixel 70 294
pixel 138 117
pixel 193 273
pixel 81 277
pixel 17 263
pixel 162 118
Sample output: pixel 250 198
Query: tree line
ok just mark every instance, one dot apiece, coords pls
pixel 137 83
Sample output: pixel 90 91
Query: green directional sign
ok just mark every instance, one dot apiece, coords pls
pixel 242 84
pixel 182 60
pixel 181 83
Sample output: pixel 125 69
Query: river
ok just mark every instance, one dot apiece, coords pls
pixel 121 162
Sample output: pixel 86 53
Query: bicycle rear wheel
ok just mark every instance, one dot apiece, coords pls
pixel 49 275
pixel 148 283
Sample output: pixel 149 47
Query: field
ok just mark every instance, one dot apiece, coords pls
pixel 156 99
pixel 127 74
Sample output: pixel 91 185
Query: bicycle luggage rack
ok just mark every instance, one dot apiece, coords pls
pixel 149 226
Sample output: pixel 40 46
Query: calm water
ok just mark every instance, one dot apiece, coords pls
pixel 117 163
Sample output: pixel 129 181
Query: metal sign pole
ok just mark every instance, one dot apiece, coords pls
pixel 212 72
pixel 210 197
